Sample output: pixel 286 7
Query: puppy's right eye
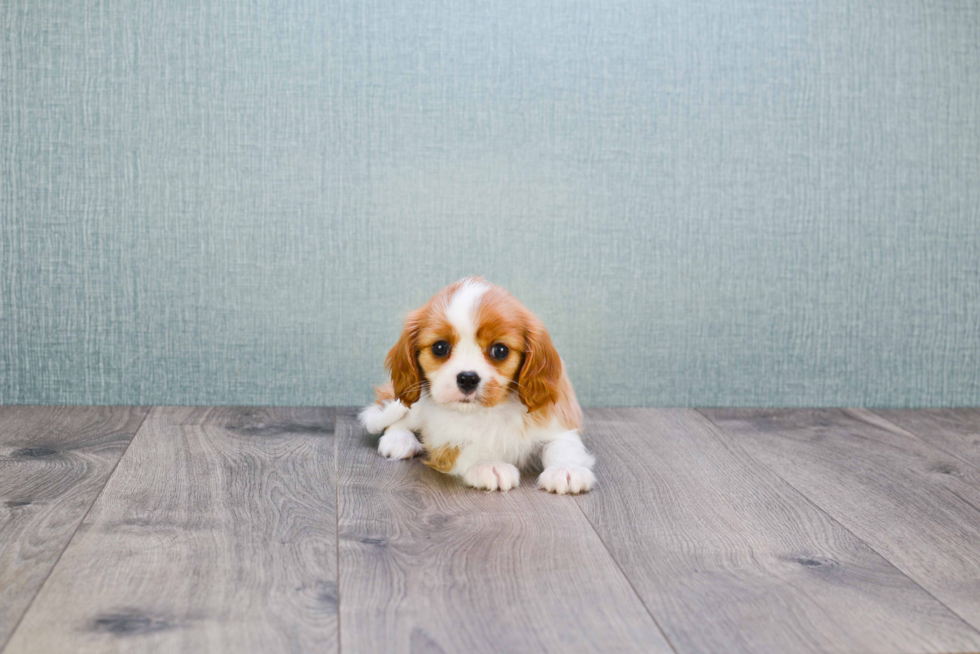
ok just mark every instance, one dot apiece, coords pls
pixel 440 348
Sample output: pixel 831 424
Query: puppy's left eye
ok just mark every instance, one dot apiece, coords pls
pixel 499 351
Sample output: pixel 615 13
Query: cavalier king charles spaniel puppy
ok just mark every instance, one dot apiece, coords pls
pixel 476 376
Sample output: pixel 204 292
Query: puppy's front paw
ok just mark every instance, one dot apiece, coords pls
pixel 376 417
pixel 495 476
pixel 566 479
pixel 399 444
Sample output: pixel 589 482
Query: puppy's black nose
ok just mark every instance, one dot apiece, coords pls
pixel 467 381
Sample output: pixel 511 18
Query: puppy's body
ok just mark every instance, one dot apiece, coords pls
pixel 475 374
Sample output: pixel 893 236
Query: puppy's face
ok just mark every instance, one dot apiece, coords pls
pixel 473 345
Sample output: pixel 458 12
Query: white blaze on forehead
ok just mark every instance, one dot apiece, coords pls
pixel 462 306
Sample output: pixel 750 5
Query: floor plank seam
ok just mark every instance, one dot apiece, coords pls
pixel 919 438
pixel 40 588
pixel 629 581
pixel 841 525
pixel 336 500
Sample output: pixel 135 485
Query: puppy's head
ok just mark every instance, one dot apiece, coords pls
pixel 474 345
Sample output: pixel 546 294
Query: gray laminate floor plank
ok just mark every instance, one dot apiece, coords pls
pixel 53 463
pixel 427 565
pixel 217 532
pixel 916 505
pixel 956 431
pixel 730 558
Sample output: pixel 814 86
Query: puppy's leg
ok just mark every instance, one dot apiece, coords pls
pixel 567 465
pixel 399 441
pixel 377 417
pixel 482 468
pixel 493 476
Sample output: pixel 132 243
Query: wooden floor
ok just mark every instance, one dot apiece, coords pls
pixel 281 530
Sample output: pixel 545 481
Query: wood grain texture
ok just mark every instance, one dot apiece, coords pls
pixel 956 431
pixel 427 565
pixel 53 463
pixel 215 533
pixel 729 558
pixel 914 504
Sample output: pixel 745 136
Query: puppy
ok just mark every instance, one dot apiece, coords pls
pixel 476 375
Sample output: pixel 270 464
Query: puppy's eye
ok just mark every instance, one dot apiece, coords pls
pixel 499 351
pixel 440 348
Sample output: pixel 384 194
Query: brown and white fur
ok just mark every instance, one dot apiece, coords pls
pixel 521 411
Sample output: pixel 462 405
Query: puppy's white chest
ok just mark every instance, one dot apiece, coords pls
pixel 495 433
pixel 449 426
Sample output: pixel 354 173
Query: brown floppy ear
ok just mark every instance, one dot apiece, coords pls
pixel 541 370
pixel 402 362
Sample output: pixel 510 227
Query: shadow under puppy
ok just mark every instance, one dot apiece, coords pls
pixel 476 375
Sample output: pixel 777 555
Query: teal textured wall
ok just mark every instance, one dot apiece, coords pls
pixel 714 202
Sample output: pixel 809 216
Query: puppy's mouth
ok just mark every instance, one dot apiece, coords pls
pixel 460 401
pixel 458 397
pixel 466 403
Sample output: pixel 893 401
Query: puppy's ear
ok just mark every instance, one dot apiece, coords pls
pixel 541 371
pixel 403 364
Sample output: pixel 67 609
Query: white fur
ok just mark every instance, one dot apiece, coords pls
pixel 566 479
pixel 494 442
pixel 376 416
pixel 484 435
pixel 500 476
pixel 399 444
pixel 464 302
pixel 567 465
